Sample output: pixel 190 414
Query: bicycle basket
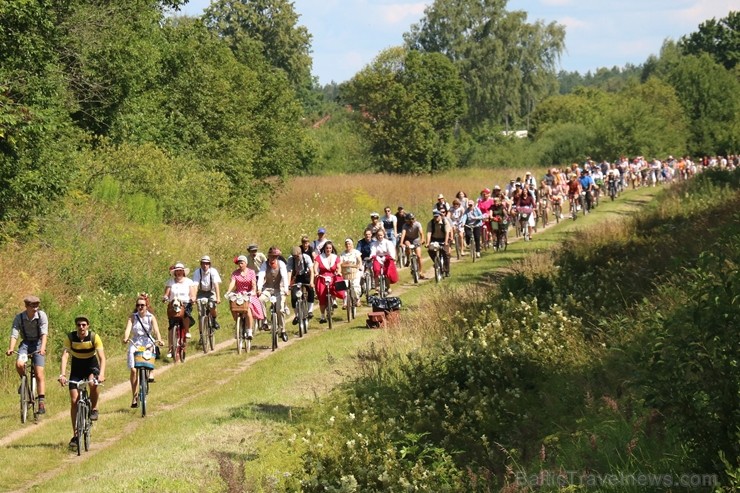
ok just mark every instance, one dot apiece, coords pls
pixel 341 285
pixel 143 358
pixel 434 246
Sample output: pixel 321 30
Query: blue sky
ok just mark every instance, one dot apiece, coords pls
pixel 349 34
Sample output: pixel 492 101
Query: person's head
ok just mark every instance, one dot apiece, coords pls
pixel 368 234
pixel 456 202
pixel 440 198
pixel 241 261
pixel 349 244
pixel 437 215
pixel 400 209
pixel 305 241
pixel 443 209
pixel 205 262
pixel 273 255
pixel 179 271
pixel 321 232
pixel 470 204
pixel 387 211
pixel 252 250
pixel 496 190
pixel 380 234
pixel 32 304
pixel 328 248
pixel 374 217
pixel 296 251
pixel 410 218
pixel 461 195
pixel 486 192
pixel 82 324
pixel 142 303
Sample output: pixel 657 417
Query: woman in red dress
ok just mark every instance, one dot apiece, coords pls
pixel 244 281
pixel 327 266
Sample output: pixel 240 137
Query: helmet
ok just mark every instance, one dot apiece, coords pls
pixel 274 252
pixel 410 216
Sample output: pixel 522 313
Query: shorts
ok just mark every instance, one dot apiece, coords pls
pixel 416 242
pixel 82 369
pixel 210 295
pixel 27 347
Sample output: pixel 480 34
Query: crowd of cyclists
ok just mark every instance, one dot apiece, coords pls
pixel 387 242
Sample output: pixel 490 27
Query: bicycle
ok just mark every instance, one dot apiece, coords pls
pixel 436 248
pixel 471 243
pixel 273 299
pixel 573 208
pixel 329 300
pixel 400 253
pixel 612 189
pixel 206 324
pixel 367 283
pixel 176 314
pixel 557 210
pixel 301 307
pixel 523 214
pixel 83 423
pixel 143 363
pixel 542 213
pixel 240 305
pixel 502 235
pixel 351 301
pixel 28 388
pixel 413 264
pixel 458 243
pixel 485 234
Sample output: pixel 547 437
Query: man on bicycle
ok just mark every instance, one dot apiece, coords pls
pixel 412 235
pixel 255 259
pixel 574 190
pixel 32 326
pixel 390 224
pixel 208 280
pixel 587 185
pixel 88 363
pixel 374 224
pixel 300 270
pixel 273 276
pixel 439 230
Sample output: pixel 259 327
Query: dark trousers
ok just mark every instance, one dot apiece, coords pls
pixel 475 233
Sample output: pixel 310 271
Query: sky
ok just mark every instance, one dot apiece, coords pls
pixel 349 34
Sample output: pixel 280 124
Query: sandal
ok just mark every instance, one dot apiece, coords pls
pixel 134 404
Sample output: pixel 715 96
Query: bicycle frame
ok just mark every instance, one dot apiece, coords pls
pixel 274 298
pixel 83 423
pixel 28 388
pixel 329 300
pixel 205 323
pixel 301 307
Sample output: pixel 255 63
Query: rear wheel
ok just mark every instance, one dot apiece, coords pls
pixel 211 333
pixel 80 425
pixel 273 327
pixel 24 398
pixel 415 268
pixel 88 428
pixel 204 332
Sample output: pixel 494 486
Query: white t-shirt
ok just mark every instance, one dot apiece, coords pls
pixel 206 281
pixel 179 290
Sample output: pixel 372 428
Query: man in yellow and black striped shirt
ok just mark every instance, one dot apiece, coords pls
pixel 88 363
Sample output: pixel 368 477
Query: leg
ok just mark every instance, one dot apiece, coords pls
pixel 476 238
pixel 134 379
pixel 74 396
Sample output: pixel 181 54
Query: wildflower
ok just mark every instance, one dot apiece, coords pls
pixel 352 416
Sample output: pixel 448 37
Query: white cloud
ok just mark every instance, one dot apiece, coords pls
pixel 556 3
pixel 402 12
pixel 572 23
pixel 702 10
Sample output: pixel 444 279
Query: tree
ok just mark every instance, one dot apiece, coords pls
pixel 266 29
pixel 507 64
pixel 718 38
pixel 410 104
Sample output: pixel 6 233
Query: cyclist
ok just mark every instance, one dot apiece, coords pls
pixel 208 282
pixel 88 363
pixel 499 210
pixel 300 270
pixel 365 244
pixel 32 326
pixel 525 205
pixel 556 197
pixel 390 224
pixel 141 330
pixel 485 202
pixel 412 235
pixel 473 220
pixel 587 185
pixel 457 213
pixel 244 282
pixel 574 190
pixel 182 288
pixel 327 265
pixel 439 229
pixel 400 219
pixel 375 224
pixel 273 276
pixel 441 204
pixel 255 259
pixel 318 243
pixel 306 247
pixel 529 180
pixel 352 267
pixel 383 254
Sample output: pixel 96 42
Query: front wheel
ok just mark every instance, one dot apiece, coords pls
pixel 211 334
pixel 143 389
pixel 24 398
pixel 415 269
pixel 88 428
pixel 239 335
pixel 273 325
pixel 204 332
pixel 382 287
pixel 80 426
pixel 329 310
pixel 437 269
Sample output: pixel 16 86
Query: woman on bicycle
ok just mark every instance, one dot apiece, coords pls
pixel 244 282
pixel 352 268
pixel 473 221
pixel 525 207
pixel 327 266
pixel 182 288
pixel 383 253
pixel 142 330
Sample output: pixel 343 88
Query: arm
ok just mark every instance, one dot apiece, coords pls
pixel 155 329
pixel 232 284
pixel 62 377
pixel 217 290
pixel 101 360
pixel 166 295
pixel 11 347
pixel 127 331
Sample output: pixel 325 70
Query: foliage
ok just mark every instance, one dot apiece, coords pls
pixel 410 104
pixel 608 79
pixel 718 38
pixel 507 64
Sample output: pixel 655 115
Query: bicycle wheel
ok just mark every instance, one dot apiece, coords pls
pixel 211 333
pixel 181 343
pixel 329 309
pixel 80 424
pixel 350 302
pixel 239 335
pixel 557 211
pixel 457 245
pixel 401 255
pixel 173 338
pixel 143 389
pixel 24 398
pixel 437 269
pixel 203 325
pixel 304 320
pixel 273 327
pixel 414 264
pixel 367 284
pixel 382 288
pixel 88 428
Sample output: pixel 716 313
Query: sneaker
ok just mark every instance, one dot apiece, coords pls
pixel 295 321
pixel 94 415
pixel 477 254
pixel 322 320
pixel 188 336
pixel 169 354
pixel 265 327
pixel 388 291
pixel 249 334
pixel 334 305
pixel 216 325
pixel 150 379
pixel 73 442
pixel 42 408
pixel 284 336
pixel 134 404
pixel 310 315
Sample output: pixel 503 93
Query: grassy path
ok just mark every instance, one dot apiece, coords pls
pixel 209 416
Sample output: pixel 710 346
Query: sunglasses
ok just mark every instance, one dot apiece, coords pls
pixel 33 304
pixel 140 305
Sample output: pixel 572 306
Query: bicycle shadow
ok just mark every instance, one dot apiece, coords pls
pixel 273 412
pixel 45 445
